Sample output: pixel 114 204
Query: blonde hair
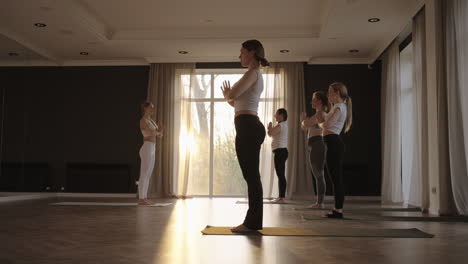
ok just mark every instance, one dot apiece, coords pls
pixel 341 88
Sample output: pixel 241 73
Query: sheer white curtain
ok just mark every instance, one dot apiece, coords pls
pixel 410 127
pixel 274 89
pixel 184 139
pixel 456 43
pixel 391 132
pixel 414 111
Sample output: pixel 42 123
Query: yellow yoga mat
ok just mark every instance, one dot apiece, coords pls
pixel 321 232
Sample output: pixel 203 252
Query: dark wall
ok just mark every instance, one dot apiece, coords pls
pixel 362 163
pixel 64 125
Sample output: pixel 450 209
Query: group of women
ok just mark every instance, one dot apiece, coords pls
pixel 333 113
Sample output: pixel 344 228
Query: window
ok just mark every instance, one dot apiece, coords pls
pixel 207 160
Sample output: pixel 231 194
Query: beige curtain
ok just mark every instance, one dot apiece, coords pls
pixel 291 80
pixel 162 92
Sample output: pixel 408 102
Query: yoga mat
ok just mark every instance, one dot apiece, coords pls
pixel 321 232
pixel 270 202
pixel 380 209
pixel 111 204
pixel 392 218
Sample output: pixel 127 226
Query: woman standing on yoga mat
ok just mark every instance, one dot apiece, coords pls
pixel 340 116
pixel 279 145
pixel 317 148
pixel 244 96
pixel 149 130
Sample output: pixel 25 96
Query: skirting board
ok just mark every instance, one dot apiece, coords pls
pixel 20 196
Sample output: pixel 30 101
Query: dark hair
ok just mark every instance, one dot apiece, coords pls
pixel 257 47
pixel 322 97
pixel 283 112
pixel 341 88
pixel 143 106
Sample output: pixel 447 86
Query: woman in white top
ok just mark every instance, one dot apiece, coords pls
pixel 279 145
pixel 244 96
pixel 149 130
pixel 317 148
pixel 340 117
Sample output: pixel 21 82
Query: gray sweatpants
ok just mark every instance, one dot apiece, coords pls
pixel 317 154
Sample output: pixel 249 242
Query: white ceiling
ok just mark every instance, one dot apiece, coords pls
pixel 124 32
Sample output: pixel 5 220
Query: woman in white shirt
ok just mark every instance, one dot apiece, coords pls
pixel 244 96
pixel 279 145
pixel 340 117
pixel 149 130
pixel 317 148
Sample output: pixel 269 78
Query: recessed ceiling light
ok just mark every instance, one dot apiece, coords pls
pixel 183 52
pixel 373 20
pixel 353 50
pixel 13 54
pixel 208 20
pixel 40 25
pixel 84 53
pixel 284 51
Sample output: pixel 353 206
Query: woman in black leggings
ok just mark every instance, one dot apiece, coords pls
pixel 250 132
pixel 340 117
pixel 279 145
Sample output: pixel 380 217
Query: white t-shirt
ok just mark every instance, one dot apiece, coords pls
pixel 337 126
pixel 280 140
pixel 250 98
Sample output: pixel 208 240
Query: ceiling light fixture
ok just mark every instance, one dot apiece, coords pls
pixel 284 51
pixel 84 53
pixel 373 20
pixel 353 50
pixel 40 25
pixel 183 52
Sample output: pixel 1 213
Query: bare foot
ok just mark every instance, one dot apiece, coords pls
pixel 144 202
pixel 278 200
pixel 241 229
pixel 315 206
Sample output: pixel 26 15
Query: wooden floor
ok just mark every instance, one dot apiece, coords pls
pixel 38 232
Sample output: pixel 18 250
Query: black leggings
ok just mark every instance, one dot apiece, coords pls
pixel 250 134
pixel 281 155
pixel 335 154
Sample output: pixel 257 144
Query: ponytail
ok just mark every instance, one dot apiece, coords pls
pixel 349 113
pixel 264 62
